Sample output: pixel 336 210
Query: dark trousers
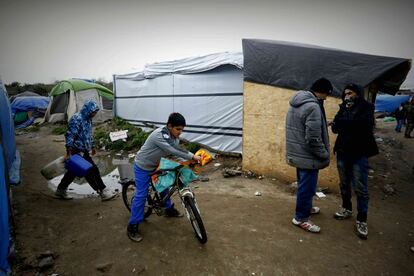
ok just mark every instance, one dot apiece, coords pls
pixel 409 128
pixel 93 176
pixel 353 173
pixel 307 182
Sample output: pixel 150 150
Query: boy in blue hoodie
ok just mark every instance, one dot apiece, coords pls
pixel 162 142
pixel 79 141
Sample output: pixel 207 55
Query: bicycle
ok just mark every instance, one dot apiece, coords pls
pixel 156 203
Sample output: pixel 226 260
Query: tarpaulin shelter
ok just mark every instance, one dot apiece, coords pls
pixel 274 70
pixel 68 97
pixel 24 94
pixel 388 103
pixel 207 90
pixel 7 157
pixel 26 109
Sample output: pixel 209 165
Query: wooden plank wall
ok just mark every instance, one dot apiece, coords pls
pixel 264 115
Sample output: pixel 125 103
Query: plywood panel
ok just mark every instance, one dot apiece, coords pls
pixel 264 114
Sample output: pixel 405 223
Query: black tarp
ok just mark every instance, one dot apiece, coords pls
pixel 297 66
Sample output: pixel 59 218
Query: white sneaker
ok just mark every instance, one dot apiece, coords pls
pixel 362 229
pixel 307 225
pixel 106 194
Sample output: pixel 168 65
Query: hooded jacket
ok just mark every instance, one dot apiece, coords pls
pixel 307 140
pixel 160 143
pixel 355 126
pixel 79 133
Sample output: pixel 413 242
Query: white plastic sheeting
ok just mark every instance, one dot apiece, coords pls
pixel 207 90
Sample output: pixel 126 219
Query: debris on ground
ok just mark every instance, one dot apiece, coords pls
pixel 388 189
pixel 257 193
pixel 232 171
pixel 217 164
pixel 203 178
pixel 249 174
pixel 292 187
pixel 324 190
pixel 46 263
pixel 105 267
pixel 118 135
pixel 320 194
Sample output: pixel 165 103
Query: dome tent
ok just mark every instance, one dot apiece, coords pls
pixel 68 97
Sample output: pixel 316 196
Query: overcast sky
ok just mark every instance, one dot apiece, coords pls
pixel 44 41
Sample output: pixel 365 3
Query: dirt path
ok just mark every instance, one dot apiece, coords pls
pixel 248 234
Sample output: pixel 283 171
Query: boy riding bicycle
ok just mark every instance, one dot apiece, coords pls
pixel 162 142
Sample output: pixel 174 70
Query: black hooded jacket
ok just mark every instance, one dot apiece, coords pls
pixel 354 127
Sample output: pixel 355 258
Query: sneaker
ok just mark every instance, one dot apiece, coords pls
pixel 343 214
pixel 133 234
pixel 307 225
pixel 362 229
pixel 315 210
pixel 172 213
pixel 62 194
pixel 106 194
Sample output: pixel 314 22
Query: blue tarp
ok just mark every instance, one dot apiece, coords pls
pixel 388 103
pixel 29 104
pixel 7 156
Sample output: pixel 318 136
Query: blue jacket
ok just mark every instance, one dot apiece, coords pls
pixel 79 133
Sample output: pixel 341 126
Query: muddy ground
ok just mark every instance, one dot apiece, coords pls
pixel 248 234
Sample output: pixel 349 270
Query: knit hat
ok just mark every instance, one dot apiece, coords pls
pixel 322 85
pixel 353 87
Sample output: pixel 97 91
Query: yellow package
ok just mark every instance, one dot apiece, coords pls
pixel 205 155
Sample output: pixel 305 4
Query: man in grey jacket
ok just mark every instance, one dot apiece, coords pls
pixel 307 147
pixel 162 142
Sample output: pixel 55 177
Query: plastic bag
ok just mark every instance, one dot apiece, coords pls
pixel 205 155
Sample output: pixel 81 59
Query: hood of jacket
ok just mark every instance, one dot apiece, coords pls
pixel 302 97
pixel 88 108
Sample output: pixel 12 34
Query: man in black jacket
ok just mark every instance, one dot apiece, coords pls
pixel 354 124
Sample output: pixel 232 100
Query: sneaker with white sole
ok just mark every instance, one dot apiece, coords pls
pixel 62 194
pixel 106 194
pixel 315 210
pixel 343 214
pixel 362 229
pixel 307 225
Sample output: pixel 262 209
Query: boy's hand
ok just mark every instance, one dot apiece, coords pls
pixel 68 153
pixel 93 151
pixel 197 158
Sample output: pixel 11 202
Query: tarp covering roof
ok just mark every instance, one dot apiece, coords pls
pixel 388 103
pixel 297 66
pixel 29 103
pixel 187 66
pixel 78 85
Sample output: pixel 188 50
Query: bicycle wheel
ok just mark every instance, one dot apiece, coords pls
pixel 195 219
pixel 128 193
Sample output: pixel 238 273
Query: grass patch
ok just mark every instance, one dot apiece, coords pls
pixel 59 130
pixel 136 136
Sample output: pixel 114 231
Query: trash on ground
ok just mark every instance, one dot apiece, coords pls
pixel 388 189
pixel 203 178
pixel 257 193
pixel 324 190
pixel 293 187
pixel 118 135
pixel 379 140
pixel 320 194
pixel 250 174
pixel 217 164
pixel 233 171
pixel 389 119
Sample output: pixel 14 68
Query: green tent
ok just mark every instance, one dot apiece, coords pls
pixel 79 85
pixel 69 96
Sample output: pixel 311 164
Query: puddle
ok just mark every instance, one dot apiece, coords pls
pixel 113 168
